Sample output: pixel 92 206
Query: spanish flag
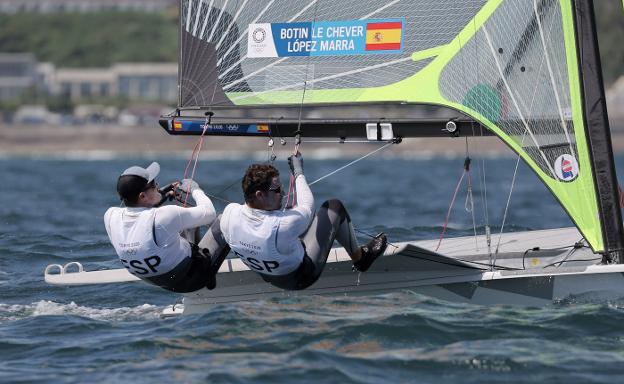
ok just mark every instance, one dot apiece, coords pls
pixel 384 36
pixel 177 125
pixel 263 128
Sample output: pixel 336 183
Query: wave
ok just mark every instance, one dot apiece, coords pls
pixel 14 312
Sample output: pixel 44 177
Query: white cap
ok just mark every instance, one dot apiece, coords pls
pixel 148 173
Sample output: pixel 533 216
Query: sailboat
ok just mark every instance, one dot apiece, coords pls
pixel 526 71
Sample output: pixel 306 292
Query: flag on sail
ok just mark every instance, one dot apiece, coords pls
pixel 383 36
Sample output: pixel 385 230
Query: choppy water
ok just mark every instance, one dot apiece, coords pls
pixel 52 213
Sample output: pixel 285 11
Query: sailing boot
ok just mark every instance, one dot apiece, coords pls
pixel 371 251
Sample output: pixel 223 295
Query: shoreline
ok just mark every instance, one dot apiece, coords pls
pixel 109 141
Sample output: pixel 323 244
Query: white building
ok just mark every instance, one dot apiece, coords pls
pixel 21 73
pixel 135 81
pixel 18 74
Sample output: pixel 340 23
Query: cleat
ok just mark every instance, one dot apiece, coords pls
pixel 371 251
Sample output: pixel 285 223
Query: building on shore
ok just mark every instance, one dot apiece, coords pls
pixel 133 81
pixel 18 74
pixel 21 73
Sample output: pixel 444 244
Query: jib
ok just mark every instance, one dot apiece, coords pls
pixel 142 267
pixel 259 265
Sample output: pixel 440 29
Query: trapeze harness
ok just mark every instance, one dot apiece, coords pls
pixel 288 248
pixel 178 265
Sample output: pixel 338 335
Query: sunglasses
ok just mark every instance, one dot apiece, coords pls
pixel 150 185
pixel 277 189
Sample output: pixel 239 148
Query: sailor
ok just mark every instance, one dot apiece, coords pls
pixel 289 248
pixel 147 237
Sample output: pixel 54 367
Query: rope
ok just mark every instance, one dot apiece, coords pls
pixel 448 213
pixel 292 189
pixel 469 203
pixel 194 158
pixel 351 163
pixel 513 182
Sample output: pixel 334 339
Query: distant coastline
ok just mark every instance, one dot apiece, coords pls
pixel 110 140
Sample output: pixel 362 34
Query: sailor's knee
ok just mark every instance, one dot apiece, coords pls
pixel 335 205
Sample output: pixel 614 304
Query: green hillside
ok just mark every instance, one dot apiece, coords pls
pixel 91 40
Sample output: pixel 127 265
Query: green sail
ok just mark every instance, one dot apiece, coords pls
pixel 510 65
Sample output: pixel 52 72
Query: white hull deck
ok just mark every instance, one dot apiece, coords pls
pixel 459 271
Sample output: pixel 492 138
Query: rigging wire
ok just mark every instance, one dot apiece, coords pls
pixel 481 164
pixel 513 180
pixel 469 203
pixel 292 189
pixel 195 156
pixel 353 162
pixel 448 214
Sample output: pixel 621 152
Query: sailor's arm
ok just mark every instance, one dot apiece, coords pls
pixel 296 220
pixel 107 217
pixel 170 220
pixel 305 198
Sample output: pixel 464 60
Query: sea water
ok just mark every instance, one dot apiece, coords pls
pixel 52 212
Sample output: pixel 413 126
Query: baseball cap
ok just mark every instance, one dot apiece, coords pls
pixel 148 173
pixel 135 179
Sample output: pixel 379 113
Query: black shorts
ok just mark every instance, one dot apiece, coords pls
pixel 193 274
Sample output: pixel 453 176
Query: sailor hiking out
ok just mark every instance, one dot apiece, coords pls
pixel 147 237
pixel 289 248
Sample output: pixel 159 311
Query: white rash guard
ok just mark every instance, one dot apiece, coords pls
pixel 269 241
pixel 148 241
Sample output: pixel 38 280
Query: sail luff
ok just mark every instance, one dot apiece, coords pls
pixel 598 133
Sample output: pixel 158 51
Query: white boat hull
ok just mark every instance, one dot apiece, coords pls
pixel 525 274
pixel 413 267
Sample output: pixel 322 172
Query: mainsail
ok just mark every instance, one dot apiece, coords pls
pixel 328 67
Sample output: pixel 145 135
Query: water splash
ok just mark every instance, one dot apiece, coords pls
pixel 13 312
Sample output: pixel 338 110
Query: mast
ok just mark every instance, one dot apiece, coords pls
pixel 598 133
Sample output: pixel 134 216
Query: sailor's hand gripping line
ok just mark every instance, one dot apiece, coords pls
pixel 180 190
